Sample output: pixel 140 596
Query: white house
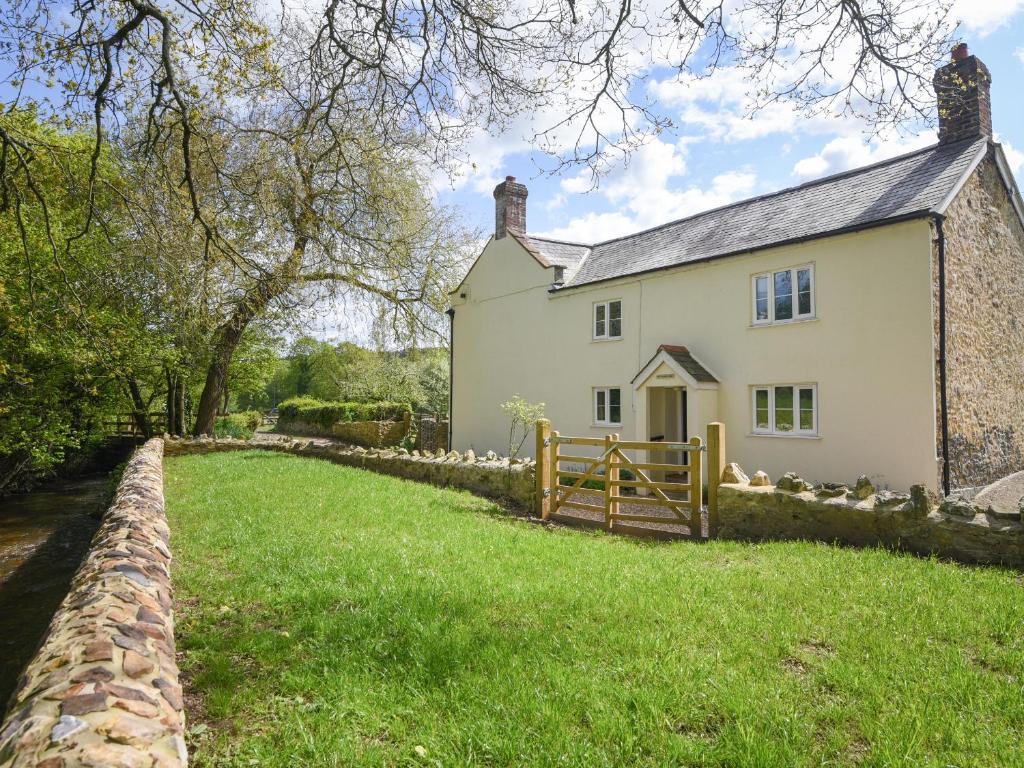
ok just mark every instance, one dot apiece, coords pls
pixel 871 322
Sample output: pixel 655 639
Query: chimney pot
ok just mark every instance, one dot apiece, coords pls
pixel 960 52
pixel 509 208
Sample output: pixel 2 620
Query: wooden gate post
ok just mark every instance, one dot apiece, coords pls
pixel 607 484
pixel 611 483
pixel 716 465
pixel 542 468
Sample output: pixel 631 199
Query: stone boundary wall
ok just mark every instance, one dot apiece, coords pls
pixel 917 522
pixel 489 475
pixel 370 434
pixel 103 688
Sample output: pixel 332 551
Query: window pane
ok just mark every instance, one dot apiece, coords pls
pixel 803 285
pixel 783 295
pixel 783 409
pixel 615 406
pixel 599 319
pixel 615 396
pixel 761 298
pixel 600 393
pixel 615 414
pixel 615 327
pixel 615 310
pixel 761 409
pixel 807 409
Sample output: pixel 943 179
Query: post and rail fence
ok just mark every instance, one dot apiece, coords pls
pixel 679 501
pixel 127 425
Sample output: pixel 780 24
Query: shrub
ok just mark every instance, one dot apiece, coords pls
pixel 239 425
pixel 327 413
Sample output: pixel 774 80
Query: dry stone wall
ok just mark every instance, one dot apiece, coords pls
pixel 103 688
pixel 917 522
pixel 370 434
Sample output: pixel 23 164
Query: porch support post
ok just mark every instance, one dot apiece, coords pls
pixel 542 467
pixel 716 465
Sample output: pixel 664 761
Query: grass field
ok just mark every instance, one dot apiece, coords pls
pixel 329 617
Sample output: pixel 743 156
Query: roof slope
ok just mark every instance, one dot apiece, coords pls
pixel 560 253
pixel 900 188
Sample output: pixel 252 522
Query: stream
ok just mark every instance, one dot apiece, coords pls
pixel 44 535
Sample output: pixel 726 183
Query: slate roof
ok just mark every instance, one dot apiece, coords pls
pixel 560 253
pixel 903 187
pixel 682 356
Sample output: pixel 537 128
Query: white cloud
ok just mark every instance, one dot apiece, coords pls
pixel 982 17
pixel 1014 157
pixel 847 152
pixel 1019 53
pixel 648 192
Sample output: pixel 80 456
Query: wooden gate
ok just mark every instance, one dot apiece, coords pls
pixel 597 485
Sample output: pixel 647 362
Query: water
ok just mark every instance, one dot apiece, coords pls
pixel 43 537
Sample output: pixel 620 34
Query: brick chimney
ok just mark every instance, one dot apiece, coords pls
pixel 509 208
pixel 965 104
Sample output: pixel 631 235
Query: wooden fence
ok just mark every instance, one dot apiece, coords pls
pixel 125 425
pixel 674 493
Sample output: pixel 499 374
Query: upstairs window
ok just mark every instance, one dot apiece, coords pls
pixel 785 409
pixel 608 406
pixel 608 320
pixel 784 296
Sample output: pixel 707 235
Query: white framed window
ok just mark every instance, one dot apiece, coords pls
pixel 785 409
pixel 608 406
pixel 784 295
pixel 608 320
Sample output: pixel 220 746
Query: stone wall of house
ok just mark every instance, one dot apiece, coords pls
pixel 916 522
pixel 103 688
pixel 370 434
pixel 490 475
pixel 984 331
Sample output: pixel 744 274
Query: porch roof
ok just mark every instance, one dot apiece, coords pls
pixel 677 357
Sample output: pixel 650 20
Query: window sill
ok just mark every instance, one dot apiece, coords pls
pixel 606 338
pixel 784 435
pixel 784 323
pixel 596 425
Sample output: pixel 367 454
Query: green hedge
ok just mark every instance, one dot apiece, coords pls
pixel 326 413
pixel 239 425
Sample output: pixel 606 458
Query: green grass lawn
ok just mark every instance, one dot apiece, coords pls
pixel 330 616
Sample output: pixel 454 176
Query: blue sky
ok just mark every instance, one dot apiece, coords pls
pixel 716 155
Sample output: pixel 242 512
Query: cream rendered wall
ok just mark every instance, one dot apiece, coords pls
pixel 869 350
pixel 512 338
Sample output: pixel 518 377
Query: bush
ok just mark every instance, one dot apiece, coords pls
pixel 328 413
pixel 239 425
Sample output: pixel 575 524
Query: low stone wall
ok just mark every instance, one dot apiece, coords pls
pixel 916 522
pixel 370 434
pixel 103 688
pixel 489 475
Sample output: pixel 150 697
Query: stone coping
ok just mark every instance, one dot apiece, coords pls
pixel 918 522
pixel 103 688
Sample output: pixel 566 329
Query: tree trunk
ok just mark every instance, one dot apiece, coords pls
pixel 139 410
pixel 172 401
pixel 227 399
pixel 229 334
pixel 179 407
pixel 175 403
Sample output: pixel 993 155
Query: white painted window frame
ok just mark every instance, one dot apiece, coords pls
pixel 607 422
pixel 606 336
pixel 770 276
pixel 771 431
